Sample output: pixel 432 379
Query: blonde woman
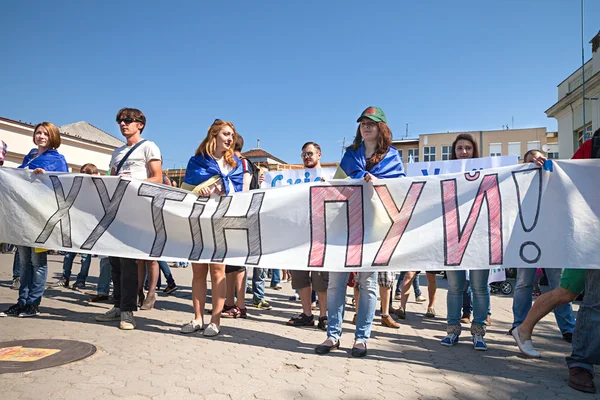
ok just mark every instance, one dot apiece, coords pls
pixel 213 158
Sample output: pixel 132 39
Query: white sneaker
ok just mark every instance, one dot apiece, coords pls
pixel 114 314
pixel 192 327
pixel 420 299
pixel 211 330
pixel 16 283
pixel 127 321
pixel 525 347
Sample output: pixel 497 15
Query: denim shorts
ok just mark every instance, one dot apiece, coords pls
pixel 573 280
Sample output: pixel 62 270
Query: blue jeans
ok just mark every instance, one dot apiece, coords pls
pixel 86 260
pixel 467 307
pixel 104 277
pixel 34 270
pixel 336 304
pixel 457 281
pixel 275 277
pixel 164 267
pixel 259 276
pixel 415 284
pixel 522 298
pixel 16 265
pixel 586 337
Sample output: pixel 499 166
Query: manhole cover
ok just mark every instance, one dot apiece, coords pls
pixel 29 355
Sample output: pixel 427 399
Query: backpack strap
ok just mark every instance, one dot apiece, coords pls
pixel 127 156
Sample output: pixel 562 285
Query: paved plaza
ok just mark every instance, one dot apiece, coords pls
pixel 262 358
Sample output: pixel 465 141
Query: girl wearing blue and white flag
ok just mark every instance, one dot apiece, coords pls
pixel 213 171
pixel 34 264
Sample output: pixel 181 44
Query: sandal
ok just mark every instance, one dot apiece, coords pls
pixel 302 320
pixel 322 325
pixel 231 312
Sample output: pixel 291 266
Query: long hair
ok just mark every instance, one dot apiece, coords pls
pixel 53 134
pixel 464 136
pixel 209 144
pixel 384 141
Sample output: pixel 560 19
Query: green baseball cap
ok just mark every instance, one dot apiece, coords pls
pixel 374 113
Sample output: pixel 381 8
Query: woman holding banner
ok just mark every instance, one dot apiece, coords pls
pixel 370 156
pixel 465 147
pixel 34 264
pixel 212 172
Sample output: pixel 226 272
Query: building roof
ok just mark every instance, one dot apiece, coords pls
pixel 86 131
pixel 12 121
pixel 80 130
pixel 406 140
pixel 260 153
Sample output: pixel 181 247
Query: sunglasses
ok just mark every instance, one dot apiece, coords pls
pixel 128 121
pixel 305 154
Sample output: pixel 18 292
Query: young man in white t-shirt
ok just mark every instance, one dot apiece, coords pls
pixel 143 163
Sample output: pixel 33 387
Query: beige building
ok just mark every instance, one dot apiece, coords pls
pixel 568 110
pixel 437 146
pixel 81 143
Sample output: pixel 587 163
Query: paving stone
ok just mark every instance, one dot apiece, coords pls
pixel 262 358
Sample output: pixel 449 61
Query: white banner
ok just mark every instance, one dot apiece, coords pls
pixel 517 216
pixel 296 176
pixel 454 166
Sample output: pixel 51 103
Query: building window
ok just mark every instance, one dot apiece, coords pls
pixel 581 137
pixel 534 145
pixel 514 149
pixel 446 150
pixel 413 154
pixel 429 153
pixel 400 152
pixel 495 149
pixel 552 150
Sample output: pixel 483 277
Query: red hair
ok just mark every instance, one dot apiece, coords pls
pixel 384 141
pixel 209 144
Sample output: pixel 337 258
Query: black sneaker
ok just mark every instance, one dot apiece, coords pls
pixel 170 288
pixel 12 311
pixel 61 282
pixel 78 286
pixel 30 310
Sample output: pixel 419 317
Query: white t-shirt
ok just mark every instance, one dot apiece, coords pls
pixel 136 165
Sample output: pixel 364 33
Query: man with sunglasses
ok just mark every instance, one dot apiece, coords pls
pixel 304 281
pixel 138 159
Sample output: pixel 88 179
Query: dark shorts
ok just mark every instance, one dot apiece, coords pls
pixel 302 279
pixel 233 268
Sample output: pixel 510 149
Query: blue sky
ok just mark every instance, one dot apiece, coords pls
pixel 288 72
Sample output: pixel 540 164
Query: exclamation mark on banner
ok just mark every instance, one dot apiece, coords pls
pixel 529 196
